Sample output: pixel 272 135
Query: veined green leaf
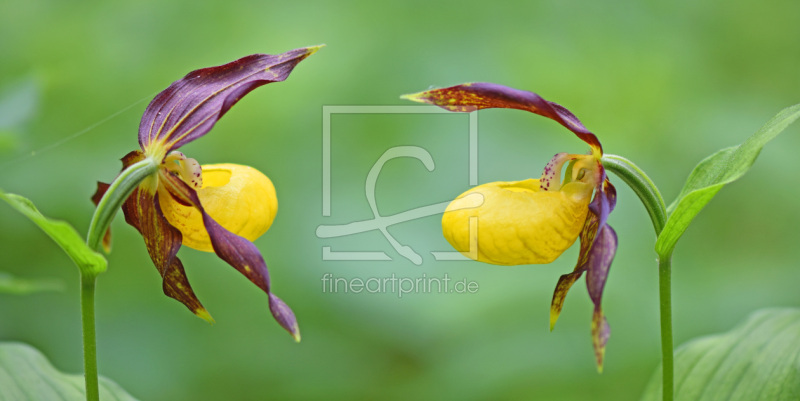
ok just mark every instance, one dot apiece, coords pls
pixel 14 285
pixel 89 261
pixel 25 374
pixel 714 172
pixel 757 361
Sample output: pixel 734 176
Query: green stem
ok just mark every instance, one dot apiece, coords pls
pixel 115 196
pixel 648 193
pixel 112 200
pixel 665 305
pixel 642 185
pixel 89 337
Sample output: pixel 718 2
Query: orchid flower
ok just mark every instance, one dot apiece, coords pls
pixel 214 208
pixel 534 221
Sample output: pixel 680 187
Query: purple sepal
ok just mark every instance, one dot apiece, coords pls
pixel 284 316
pixel 597 266
pixel 188 108
pixel 481 95
pixel 237 251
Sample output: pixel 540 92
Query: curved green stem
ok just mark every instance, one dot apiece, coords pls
pixel 648 193
pixel 115 196
pixel 112 200
pixel 642 185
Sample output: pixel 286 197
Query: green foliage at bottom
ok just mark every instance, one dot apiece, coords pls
pixel 757 361
pixel 25 374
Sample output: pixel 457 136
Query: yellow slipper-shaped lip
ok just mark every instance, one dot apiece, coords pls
pixel 516 223
pixel 240 198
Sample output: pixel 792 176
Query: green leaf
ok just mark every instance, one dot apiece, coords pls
pixel 87 260
pixel 13 285
pixel 758 360
pixel 711 174
pixel 25 374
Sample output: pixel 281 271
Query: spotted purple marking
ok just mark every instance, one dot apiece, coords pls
pixel 552 171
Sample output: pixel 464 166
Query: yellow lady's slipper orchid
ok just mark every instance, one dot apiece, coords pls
pixel 216 208
pixel 535 221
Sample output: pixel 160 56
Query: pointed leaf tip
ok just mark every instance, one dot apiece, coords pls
pixel 714 172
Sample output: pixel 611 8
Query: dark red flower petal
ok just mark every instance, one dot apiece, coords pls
pixel 188 108
pixel 102 187
pixel 237 251
pixel 143 212
pixel 480 95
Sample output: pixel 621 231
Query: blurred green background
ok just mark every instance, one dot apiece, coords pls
pixel 664 84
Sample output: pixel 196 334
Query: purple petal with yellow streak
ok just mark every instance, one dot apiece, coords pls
pixel 480 95
pixel 190 107
pixel 143 211
pixel 565 282
pixel 598 264
pixel 598 247
pixel 237 251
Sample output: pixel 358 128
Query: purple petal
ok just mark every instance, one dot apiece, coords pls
pixel 599 261
pixel 479 95
pixel 284 315
pixel 597 266
pixel 188 108
pixel 598 247
pixel 605 199
pixel 237 251
pixel 143 212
